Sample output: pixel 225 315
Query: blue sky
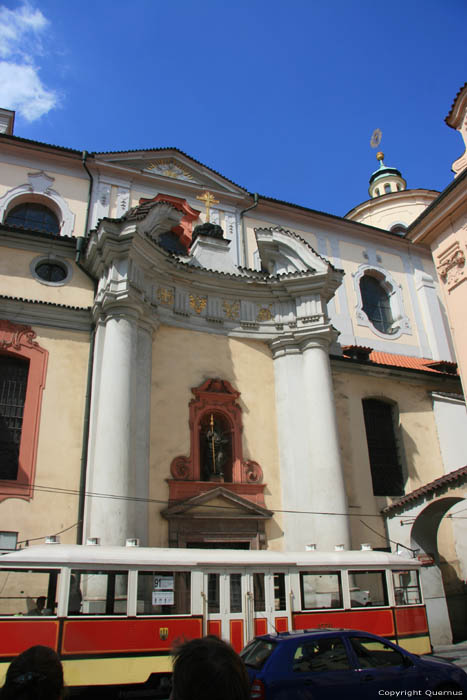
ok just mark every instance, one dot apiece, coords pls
pixel 279 96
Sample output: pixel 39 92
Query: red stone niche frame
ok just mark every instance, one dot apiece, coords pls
pixel 18 341
pixel 184 230
pixel 216 396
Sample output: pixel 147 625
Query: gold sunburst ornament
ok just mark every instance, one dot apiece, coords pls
pixel 376 137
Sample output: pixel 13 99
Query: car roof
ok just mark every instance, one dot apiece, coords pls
pixel 318 631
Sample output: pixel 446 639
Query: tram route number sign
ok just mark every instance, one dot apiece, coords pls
pixel 163 590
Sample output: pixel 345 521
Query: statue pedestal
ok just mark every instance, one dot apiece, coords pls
pixel 217 477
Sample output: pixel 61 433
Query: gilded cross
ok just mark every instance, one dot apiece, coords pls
pixel 208 200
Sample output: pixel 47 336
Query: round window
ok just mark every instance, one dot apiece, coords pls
pixel 51 271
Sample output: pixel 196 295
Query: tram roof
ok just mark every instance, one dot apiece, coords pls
pixel 134 557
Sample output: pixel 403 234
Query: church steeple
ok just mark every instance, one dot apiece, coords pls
pixel 385 179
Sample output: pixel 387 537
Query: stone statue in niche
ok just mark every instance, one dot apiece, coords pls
pixel 216 449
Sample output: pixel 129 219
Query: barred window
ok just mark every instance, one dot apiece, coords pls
pixel 13 382
pixel 385 462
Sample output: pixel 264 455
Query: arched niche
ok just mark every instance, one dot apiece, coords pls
pixel 215 401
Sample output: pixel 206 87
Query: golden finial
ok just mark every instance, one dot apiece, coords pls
pixel 380 155
pixel 209 200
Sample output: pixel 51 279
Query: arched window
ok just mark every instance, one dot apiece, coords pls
pixel 34 216
pixel 376 303
pixel 383 447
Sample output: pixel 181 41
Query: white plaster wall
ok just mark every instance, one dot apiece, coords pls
pixel 451 423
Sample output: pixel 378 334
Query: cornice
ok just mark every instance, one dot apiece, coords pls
pixel 134 270
pixel 391 199
pixel 433 220
pixel 36 313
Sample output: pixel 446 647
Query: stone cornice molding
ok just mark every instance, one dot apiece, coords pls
pixel 134 270
pixel 35 313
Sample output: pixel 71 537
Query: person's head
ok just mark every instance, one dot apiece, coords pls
pixel 208 669
pixel 36 674
pixel 40 602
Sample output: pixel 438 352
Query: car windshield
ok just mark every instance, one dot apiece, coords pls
pixel 256 653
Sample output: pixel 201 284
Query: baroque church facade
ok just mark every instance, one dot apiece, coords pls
pixel 189 364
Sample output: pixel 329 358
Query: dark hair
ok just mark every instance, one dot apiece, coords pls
pixel 36 674
pixel 208 669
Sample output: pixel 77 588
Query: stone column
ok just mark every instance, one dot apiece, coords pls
pixel 109 470
pixel 310 464
pixel 328 487
pixel 141 433
pixel 294 457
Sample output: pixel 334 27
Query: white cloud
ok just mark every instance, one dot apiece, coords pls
pixel 20 85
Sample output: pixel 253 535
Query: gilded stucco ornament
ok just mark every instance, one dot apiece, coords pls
pixel 198 304
pixel 165 296
pixel 231 309
pixel 265 313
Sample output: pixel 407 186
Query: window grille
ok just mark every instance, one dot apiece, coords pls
pixel 13 382
pixel 385 463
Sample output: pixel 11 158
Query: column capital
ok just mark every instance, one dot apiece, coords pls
pixel 299 341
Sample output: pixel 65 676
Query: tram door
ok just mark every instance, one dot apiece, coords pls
pixel 226 606
pixel 271 602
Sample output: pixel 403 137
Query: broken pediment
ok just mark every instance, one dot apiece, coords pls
pixel 284 252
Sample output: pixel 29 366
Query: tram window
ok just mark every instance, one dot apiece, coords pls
pixel 98 593
pixel 28 592
pixel 213 593
pixel 367 588
pixel 406 588
pixel 279 592
pixel 164 593
pixel 323 590
pixel 235 593
pixel 259 600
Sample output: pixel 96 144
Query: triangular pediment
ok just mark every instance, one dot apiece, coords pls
pixel 171 165
pixel 217 503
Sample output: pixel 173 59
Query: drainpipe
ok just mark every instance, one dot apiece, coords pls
pixel 80 245
pixel 244 211
pixel 85 441
pixel 84 157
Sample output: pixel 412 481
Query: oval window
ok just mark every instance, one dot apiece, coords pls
pixel 51 271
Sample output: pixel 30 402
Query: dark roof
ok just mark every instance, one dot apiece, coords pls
pixel 454 104
pixel 45 303
pixel 384 171
pixel 10 137
pixel 449 479
pixel 42 234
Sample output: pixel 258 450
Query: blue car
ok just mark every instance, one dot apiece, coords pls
pixel 337 663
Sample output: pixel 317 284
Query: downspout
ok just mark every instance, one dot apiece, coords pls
pixel 84 157
pixel 85 442
pixel 80 244
pixel 244 211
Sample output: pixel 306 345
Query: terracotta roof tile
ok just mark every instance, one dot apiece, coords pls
pixel 450 478
pixel 389 359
